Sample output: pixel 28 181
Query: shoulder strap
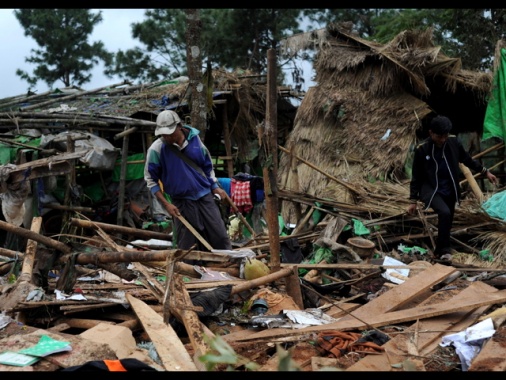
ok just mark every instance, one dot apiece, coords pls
pixel 187 159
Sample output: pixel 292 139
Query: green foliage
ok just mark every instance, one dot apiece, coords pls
pixel 162 35
pixel 64 52
pixel 222 353
pixel 390 22
pixel 286 363
pixel 164 54
pixel 474 34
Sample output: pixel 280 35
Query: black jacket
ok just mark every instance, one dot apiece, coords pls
pixel 424 183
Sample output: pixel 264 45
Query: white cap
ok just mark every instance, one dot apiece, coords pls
pixel 166 123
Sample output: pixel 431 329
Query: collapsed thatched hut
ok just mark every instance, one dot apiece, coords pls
pixel 238 104
pixel 371 103
pixel 121 117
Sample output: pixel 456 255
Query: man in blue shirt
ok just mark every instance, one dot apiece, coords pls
pixel 191 187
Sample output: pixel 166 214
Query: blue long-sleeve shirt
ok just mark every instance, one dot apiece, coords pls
pixel 178 178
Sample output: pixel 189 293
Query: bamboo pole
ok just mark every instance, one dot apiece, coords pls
pixel 70 97
pixel 491 149
pixel 122 229
pixel 472 182
pixel 122 179
pixel 345 184
pixel 262 280
pixel 490 168
pixel 31 249
pixel 228 143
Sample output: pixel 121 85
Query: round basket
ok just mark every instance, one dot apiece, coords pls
pixel 363 247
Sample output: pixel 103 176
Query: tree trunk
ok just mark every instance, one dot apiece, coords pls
pixel 198 109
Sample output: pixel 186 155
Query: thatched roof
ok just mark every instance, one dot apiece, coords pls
pixel 370 105
pixel 243 92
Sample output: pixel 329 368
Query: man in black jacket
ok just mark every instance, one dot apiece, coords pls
pixel 435 178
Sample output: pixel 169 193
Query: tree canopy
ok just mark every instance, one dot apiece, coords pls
pixel 468 34
pixel 238 39
pixel 230 39
pixel 64 52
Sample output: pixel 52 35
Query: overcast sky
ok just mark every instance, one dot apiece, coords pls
pixel 114 31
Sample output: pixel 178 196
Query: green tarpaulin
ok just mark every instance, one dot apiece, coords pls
pixel 495 115
pixel 133 171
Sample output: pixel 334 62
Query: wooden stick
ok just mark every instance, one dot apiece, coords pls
pixel 195 233
pixel 36 236
pixel 477 174
pixel 492 148
pixel 347 185
pixel 146 234
pixel 31 249
pixel 241 217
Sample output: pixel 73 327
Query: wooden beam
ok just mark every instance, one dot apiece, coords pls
pixel 170 349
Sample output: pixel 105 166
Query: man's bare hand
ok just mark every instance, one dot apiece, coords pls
pixel 221 193
pixel 491 177
pixel 412 208
pixel 172 210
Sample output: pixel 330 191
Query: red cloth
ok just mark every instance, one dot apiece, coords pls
pixel 241 195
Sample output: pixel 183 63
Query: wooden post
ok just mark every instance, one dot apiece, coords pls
pixel 269 159
pixel 70 181
pixel 150 196
pixel 25 277
pixel 31 249
pixel 293 175
pixel 293 288
pixel 122 179
pixel 228 143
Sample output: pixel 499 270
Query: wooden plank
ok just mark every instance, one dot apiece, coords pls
pixel 54 165
pixel 400 316
pixel 194 328
pixel 491 356
pixel 390 300
pixel 169 347
pixel 402 294
pixel 376 317
pixel 425 335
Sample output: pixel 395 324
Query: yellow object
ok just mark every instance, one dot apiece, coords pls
pixel 234 230
pixel 497 313
pixel 255 268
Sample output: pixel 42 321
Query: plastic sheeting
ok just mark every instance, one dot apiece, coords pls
pixel 495 206
pixel 102 154
pixel 13 196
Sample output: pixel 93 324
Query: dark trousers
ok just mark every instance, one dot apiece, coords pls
pixel 204 215
pixel 444 206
